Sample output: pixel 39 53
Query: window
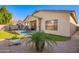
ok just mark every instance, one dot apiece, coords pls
pixel 52 24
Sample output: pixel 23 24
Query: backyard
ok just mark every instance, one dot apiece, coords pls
pixel 39 40
pixel 64 44
pixel 21 47
pixel 9 35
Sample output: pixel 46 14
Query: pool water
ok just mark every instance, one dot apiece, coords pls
pixel 24 32
pixel 16 41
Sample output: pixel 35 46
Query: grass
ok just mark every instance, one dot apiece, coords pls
pixel 58 37
pixel 8 35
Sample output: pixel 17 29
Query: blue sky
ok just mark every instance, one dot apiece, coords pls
pixel 21 11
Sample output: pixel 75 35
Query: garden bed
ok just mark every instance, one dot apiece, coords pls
pixel 58 37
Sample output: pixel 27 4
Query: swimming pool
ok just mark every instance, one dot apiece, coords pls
pixel 24 32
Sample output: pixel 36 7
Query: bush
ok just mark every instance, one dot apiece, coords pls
pixel 40 38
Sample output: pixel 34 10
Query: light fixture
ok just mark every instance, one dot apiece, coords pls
pixel 26 24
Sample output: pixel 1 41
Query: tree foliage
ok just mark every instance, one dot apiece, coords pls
pixel 5 16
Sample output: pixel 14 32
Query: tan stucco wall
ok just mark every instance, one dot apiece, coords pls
pixel 31 18
pixel 63 22
pixel 2 26
pixel 72 25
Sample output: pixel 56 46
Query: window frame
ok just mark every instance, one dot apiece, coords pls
pixel 55 24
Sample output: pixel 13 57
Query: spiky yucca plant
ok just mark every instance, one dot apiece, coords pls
pixel 39 39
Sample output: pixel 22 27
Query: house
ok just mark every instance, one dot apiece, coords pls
pixel 17 25
pixel 2 27
pixel 59 22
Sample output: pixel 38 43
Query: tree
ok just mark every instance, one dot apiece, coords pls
pixel 5 16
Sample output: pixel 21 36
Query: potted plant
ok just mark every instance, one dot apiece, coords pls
pixel 39 39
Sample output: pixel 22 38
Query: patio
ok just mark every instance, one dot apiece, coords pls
pixel 69 46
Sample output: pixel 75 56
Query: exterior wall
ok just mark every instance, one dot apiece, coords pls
pixel 72 26
pixel 2 26
pixel 31 18
pixel 63 22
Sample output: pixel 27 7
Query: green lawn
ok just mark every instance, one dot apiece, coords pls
pixel 58 37
pixel 8 35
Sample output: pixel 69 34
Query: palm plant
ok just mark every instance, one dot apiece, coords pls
pixel 40 39
pixel 5 15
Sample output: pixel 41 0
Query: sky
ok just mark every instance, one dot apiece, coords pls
pixel 20 12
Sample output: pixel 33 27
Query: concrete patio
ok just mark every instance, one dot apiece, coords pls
pixel 70 46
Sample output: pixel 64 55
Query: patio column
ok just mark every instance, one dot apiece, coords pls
pixel 39 24
pixel 29 26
